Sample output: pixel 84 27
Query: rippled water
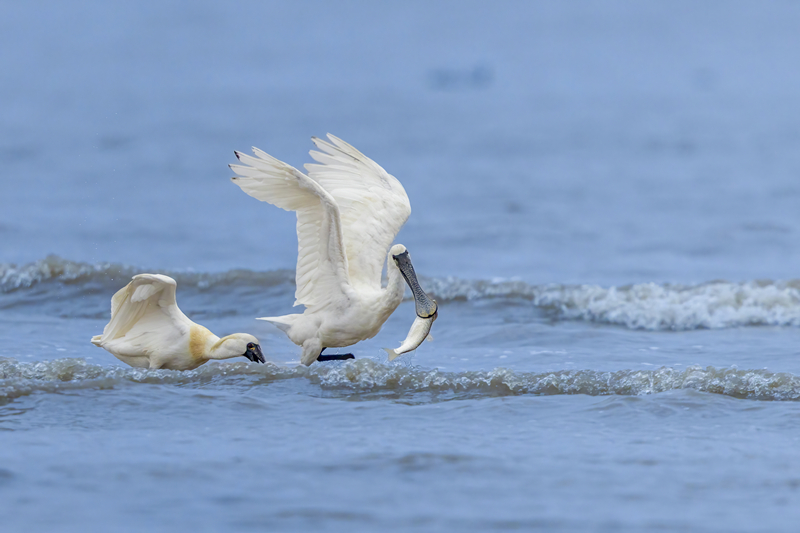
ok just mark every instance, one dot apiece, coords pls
pixel 605 206
pixel 369 380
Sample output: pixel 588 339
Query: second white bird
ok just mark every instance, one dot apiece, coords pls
pixel 148 330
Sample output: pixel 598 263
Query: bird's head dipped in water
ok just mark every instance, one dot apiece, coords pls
pixel 242 344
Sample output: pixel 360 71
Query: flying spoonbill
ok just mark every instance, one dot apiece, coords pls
pixel 349 211
pixel 148 330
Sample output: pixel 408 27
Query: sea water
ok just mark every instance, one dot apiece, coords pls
pixel 604 205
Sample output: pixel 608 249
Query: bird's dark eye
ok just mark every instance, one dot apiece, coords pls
pixel 250 346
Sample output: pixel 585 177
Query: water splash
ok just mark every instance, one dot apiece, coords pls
pixel 368 379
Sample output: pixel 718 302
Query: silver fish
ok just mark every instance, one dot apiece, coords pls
pixel 420 330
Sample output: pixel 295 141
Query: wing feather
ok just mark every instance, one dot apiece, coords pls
pixel 322 272
pixel 145 295
pixel 373 205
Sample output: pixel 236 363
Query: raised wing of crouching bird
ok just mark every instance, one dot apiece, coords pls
pixel 148 330
pixel 349 211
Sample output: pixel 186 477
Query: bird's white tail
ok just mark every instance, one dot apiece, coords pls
pixel 96 340
pixel 281 322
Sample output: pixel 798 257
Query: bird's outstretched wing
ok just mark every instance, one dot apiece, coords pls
pixel 373 205
pixel 322 273
pixel 149 302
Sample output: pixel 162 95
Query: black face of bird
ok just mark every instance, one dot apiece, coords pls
pixel 425 306
pixel 254 353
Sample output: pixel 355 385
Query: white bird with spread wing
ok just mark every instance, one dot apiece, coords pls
pixel 349 211
pixel 148 330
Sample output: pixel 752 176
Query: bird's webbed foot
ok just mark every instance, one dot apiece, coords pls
pixel 334 357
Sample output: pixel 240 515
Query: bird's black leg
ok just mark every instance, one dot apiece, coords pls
pixel 334 357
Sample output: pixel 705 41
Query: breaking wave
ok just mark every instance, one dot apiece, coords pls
pixel 55 270
pixel 649 306
pixel 370 379
pixel 673 307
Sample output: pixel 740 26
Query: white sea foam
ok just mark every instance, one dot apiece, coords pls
pixel 367 378
pixel 654 307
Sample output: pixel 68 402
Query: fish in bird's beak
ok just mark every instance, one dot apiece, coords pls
pixel 426 307
pixel 420 330
pixel 254 353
